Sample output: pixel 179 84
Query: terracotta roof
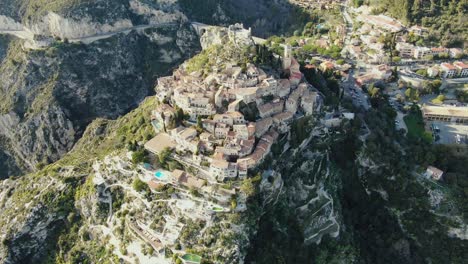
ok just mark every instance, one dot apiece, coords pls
pixel 448 66
pixel 460 65
pixel 155 185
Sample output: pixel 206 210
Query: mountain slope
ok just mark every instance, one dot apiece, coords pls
pixel 446 19
pixel 265 17
pixel 46 205
pixel 385 209
pixel 50 94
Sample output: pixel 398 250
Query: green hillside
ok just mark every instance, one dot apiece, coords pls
pixel 446 19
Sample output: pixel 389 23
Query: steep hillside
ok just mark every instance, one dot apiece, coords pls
pixel 373 193
pixel 49 96
pixel 265 17
pixel 446 19
pixel 46 219
pixel 53 85
pixel 52 92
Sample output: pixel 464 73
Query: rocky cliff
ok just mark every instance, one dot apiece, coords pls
pixel 51 94
pixel 351 196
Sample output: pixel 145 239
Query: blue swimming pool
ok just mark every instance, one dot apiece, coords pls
pixel 160 175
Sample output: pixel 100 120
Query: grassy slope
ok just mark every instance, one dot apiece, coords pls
pixel 58 185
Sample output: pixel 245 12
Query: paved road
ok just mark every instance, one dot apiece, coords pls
pixel 456 81
pixel 450 132
pixel 352 90
pixel 24 34
pixel 401 122
pixel 92 38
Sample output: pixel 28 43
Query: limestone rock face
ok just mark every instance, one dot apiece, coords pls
pixel 213 36
pixel 47 135
pixel 51 94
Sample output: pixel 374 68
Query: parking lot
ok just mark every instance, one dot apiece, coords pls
pixel 448 133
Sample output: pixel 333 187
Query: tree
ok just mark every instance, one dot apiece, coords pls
pixel 139 156
pixel 373 91
pixel 412 94
pixel 248 187
pixel 436 86
pixel 139 185
pixel 164 156
pixel 233 204
pixel 439 99
pixel 422 72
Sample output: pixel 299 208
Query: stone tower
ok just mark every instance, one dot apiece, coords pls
pixel 287 57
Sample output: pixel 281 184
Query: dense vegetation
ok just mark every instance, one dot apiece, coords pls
pixel 446 19
pixel 261 15
pixel 386 210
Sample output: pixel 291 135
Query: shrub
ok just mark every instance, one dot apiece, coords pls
pixel 139 185
pixel 340 62
pixel 139 156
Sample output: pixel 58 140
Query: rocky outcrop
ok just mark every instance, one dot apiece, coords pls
pixel 51 95
pixel 43 137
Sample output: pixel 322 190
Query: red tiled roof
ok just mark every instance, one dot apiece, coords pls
pixel 461 65
pixel 448 66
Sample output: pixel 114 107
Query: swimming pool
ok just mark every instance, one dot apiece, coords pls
pixel 160 175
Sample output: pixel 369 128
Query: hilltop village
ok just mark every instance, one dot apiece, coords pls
pixel 214 128
pixel 231 116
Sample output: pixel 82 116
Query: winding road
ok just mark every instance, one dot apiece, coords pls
pixel 29 35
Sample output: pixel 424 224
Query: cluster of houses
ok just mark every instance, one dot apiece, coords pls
pixel 407 50
pixel 381 21
pixel 367 47
pixel 217 131
pixel 373 74
pixel 448 70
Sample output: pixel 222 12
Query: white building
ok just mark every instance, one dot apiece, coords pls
pixel 221 169
pixel 448 70
pixel 186 138
pixel 462 68
pixel 162 117
pixel 433 71
pixel 434 173
pixel 308 102
pixel 455 52
pixel 284 88
pixel 421 52
pixel 270 109
pixel 292 104
pixel 406 50
pixel 244 131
